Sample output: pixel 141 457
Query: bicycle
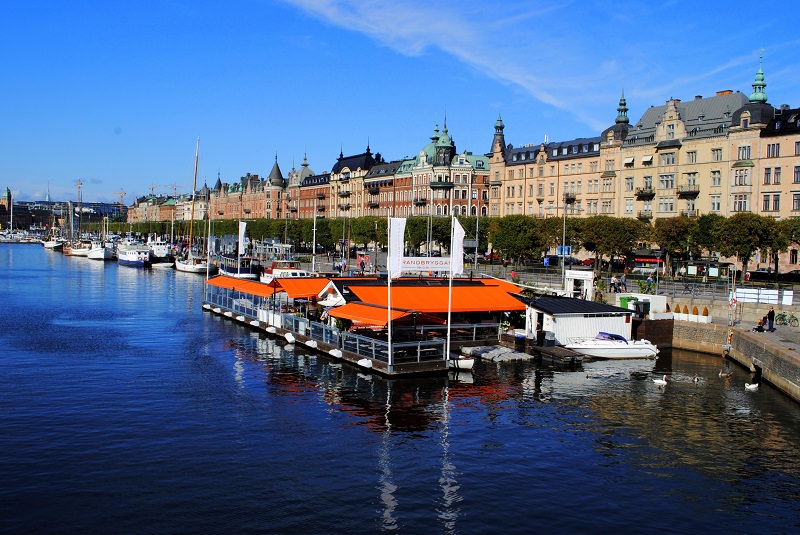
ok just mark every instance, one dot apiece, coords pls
pixel 782 318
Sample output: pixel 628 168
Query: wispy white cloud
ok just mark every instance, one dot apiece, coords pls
pixel 575 57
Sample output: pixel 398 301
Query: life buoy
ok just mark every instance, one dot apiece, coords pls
pixel 733 302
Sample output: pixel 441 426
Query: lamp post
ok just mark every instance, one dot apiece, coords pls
pixel 569 200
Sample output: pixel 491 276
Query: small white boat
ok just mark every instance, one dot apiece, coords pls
pixel 461 363
pixel 284 269
pixel 613 346
pixel 194 264
pixel 101 251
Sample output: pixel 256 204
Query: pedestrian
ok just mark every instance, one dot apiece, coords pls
pixel 623 282
pixel 771 320
pixel 648 284
pixel 614 284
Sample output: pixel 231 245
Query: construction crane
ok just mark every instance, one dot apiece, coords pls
pixel 121 194
pixel 153 189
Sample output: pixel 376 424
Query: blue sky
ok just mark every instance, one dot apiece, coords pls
pixel 115 93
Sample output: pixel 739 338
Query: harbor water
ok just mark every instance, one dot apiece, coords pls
pixel 125 408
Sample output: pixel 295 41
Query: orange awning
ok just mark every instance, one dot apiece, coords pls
pixel 367 314
pixel 433 299
pixel 303 287
pixel 246 286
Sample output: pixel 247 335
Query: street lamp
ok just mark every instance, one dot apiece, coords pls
pixel 569 200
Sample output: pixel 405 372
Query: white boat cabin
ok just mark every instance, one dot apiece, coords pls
pixel 567 319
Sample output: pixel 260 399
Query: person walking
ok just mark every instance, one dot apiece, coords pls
pixel 623 282
pixel 648 284
pixel 771 320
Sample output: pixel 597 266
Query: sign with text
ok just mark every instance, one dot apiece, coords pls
pixel 425 263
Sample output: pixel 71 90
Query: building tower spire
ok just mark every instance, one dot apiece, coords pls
pixel 622 110
pixel 759 95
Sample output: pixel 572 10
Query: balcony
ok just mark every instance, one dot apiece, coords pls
pixel 645 214
pixel 344 206
pixel 645 193
pixel 689 213
pixel 420 201
pixel 320 195
pixel 688 191
pixel 321 208
pixel 374 205
pixel 344 194
pixel 441 184
pixel 293 209
pixel 374 190
pixel 569 197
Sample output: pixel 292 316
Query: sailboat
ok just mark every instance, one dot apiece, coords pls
pixel 192 263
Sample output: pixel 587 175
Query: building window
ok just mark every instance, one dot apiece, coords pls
pixel 666 181
pixel 776 202
pixel 670 131
pixel 767 176
pixel 716 155
pixel 740 203
pixel 552 188
pixel 716 178
pixel 668 158
pixel 795 202
pixel 691 156
pixel 607 207
pixel 648 182
pixel 540 189
pixel 744 152
pixel 777 178
pixel 592 167
pixel 628 183
pixel 796 174
pixel 765 203
pixel 691 179
pixel 773 150
pixel 541 170
pixel 666 204
pixel 741 177
pixel 797 148
pixel 628 206
pixel 715 203
pixel 609 165
pixel 793 256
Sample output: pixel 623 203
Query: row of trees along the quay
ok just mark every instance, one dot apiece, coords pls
pixel 521 238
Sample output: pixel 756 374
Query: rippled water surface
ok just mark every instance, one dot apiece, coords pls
pixel 126 409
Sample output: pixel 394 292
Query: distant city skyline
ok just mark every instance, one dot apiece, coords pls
pixel 115 94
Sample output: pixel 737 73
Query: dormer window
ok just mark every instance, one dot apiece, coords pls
pixel 745 123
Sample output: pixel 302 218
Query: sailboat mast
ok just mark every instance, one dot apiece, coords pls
pixel 194 189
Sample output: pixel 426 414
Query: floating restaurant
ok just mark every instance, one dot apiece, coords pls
pixel 398 327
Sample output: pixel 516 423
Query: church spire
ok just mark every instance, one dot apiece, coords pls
pixel 758 94
pixel 622 110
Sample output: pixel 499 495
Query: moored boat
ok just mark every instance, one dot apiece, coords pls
pixel 133 253
pixel 100 250
pixel 194 264
pixel 280 269
pixel 613 346
pixel 241 267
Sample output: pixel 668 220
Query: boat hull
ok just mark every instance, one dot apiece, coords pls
pixel 605 349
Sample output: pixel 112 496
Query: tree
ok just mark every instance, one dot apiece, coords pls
pixel 518 237
pixel 706 232
pixel 674 235
pixel 743 234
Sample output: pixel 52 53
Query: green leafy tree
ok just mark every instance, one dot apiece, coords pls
pixel 518 237
pixel 674 235
pixel 707 231
pixel 743 234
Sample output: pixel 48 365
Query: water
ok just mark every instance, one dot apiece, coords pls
pixel 126 409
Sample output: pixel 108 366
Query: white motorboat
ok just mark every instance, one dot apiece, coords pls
pixel 240 267
pixel 280 269
pixel 613 346
pixel 101 251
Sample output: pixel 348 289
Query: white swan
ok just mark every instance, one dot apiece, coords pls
pixel 751 387
pixel 661 382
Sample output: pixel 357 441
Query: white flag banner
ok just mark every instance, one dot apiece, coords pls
pixel 242 227
pixel 457 248
pixel 397 230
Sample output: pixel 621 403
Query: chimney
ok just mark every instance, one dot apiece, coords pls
pixel 724 92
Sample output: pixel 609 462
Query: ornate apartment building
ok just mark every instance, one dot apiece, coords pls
pixel 722 154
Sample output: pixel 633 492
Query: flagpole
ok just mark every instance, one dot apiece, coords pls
pixel 389 292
